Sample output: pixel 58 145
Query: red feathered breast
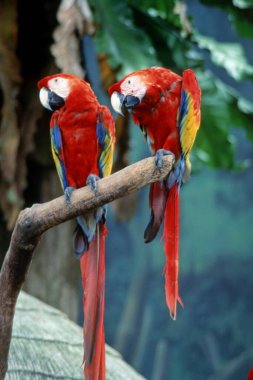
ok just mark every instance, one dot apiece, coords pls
pixel 79 141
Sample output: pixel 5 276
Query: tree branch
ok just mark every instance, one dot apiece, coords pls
pixel 33 222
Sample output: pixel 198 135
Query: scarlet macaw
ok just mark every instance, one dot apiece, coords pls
pixel 166 106
pixel 82 141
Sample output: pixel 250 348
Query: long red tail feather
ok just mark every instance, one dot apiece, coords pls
pixel 92 265
pixel 157 202
pixel 171 248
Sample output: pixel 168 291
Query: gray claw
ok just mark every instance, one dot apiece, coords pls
pixel 67 192
pixel 159 157
pixel 92 182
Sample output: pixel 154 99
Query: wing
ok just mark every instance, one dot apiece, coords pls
pixel 189 112
pixel 57 151
pixel 106 141
pixel 150 140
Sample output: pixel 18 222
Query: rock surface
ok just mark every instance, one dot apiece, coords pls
pixel 47 345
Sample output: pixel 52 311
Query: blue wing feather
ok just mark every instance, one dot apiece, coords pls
pixel 56 134
pixel 182 110
pixel 57 151
pixel 101 133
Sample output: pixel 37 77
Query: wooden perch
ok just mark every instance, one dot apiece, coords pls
pixel 33 222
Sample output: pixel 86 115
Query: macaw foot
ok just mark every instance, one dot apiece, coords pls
pixel 67 192
pixel 177 174
pixel 92 182
pixel 159 157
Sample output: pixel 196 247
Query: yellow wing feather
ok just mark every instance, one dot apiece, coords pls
pixel 106 139
pixel 189 113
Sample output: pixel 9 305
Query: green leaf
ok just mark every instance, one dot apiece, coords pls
pixel 230 56
pixel 222 110
pixel 158 8
pixel 243 26
pixel 172 49
pixel 243 4
pixel 127 46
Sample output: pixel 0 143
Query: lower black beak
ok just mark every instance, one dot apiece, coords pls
pixel 55 101
pixel 119 101
pixel 130 101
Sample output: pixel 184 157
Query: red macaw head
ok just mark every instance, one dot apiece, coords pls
pixel 141 90
pixel 57 89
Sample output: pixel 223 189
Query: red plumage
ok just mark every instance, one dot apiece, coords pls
pixel 171 248
pixel 157 201
pixel 250 375
pixel 93 279
pixel 82 141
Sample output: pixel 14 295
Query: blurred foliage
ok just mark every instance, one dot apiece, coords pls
pixel 228 55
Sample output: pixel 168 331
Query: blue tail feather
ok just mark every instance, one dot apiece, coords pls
pixel 86 228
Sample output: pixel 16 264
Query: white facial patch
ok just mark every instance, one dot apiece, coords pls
pixel 60 86
pixel 44 98
pixel 133 86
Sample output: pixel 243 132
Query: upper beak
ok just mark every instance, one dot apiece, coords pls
pixel 44 98
pixel 119 100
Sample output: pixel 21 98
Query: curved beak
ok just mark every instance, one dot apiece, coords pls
pixel 119 100
pixel 44 98
pixel 50 99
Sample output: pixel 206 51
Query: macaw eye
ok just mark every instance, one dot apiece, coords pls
pixel 56 80
pixel 129 81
